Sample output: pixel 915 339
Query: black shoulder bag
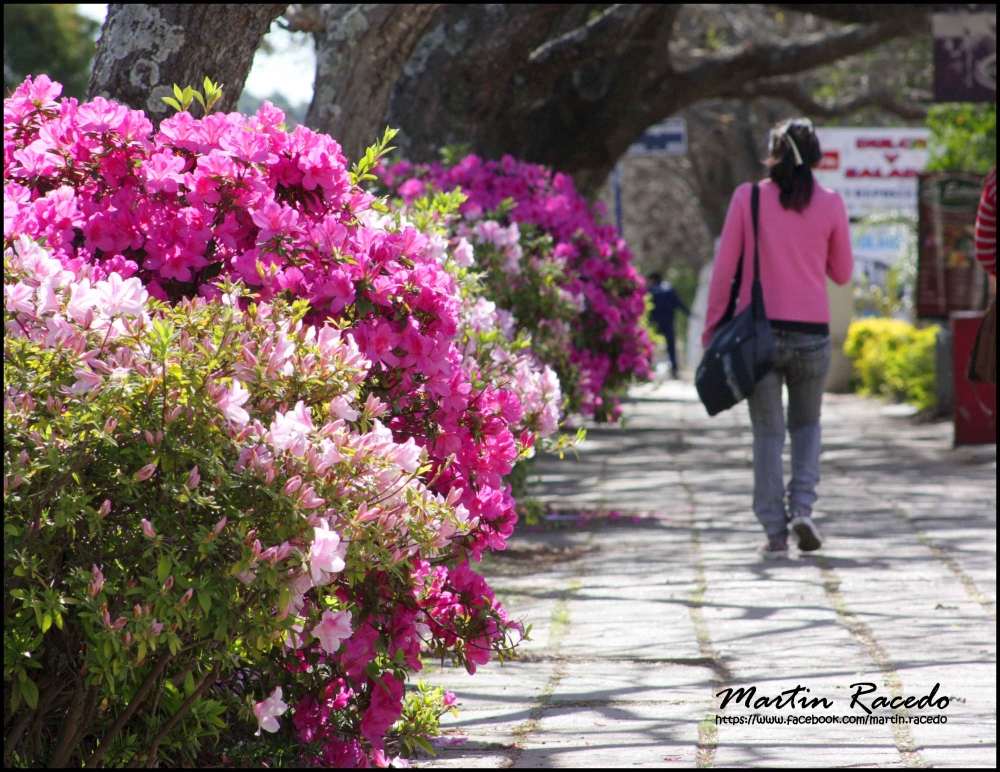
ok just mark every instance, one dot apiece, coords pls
pixel 742 348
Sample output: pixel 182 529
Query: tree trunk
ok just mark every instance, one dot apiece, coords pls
pixel 145 49
pixel 360 54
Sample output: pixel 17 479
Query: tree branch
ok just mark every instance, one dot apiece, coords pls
pixel 606 34
pixel 717 75
pixel 126 714
pixel 303 17
pixel 793 92
pixel 599 36
pixel 852 13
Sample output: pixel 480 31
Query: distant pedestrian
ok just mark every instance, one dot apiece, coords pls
pixel 804 237
pixel 666 303
pixel 983 362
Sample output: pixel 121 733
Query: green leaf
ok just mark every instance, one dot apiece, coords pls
pixel 178 93
pixel 46 621
pixel 30 693
pixel 204 600
pixel 163 569
pixel 189 684
pixel 172 102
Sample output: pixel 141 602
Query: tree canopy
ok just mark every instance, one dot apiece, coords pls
pixel 570 86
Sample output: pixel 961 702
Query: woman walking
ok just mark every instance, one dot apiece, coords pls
pixel 804 237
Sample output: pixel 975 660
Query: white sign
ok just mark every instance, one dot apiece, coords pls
pixel 669 137
pixel 875 170
pixel 878 247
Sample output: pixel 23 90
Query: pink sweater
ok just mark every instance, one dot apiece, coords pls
pixel 797 252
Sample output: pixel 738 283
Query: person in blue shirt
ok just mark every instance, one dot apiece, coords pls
pixel 665 303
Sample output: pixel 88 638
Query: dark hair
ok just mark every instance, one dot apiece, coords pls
pixel 656 277
pixel 794 179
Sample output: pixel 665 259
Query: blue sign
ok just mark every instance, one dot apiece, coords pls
pixel 668 137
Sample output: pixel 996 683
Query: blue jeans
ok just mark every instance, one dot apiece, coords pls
pixel 802 362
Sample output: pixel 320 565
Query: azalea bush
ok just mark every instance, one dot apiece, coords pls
pixel 207 526
pixel 552 268
pixel 272 285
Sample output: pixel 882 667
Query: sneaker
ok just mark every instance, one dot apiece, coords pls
pixel 775 549
pixel 807 532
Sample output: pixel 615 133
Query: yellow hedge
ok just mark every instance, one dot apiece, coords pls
pixel 893 359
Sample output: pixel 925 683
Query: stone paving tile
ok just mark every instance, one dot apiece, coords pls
pixel 614 736
pixel 640 629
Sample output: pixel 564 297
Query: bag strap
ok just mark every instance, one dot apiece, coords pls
pixel 734 289
pixel 757 291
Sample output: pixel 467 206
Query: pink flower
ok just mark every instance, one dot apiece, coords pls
pixel 326 554
pixel 163 172
pixel 146 472
pixel 449 699
pixel 386 706
pixel 332 629
pixel 268 711
pixel 193 479
pixel 147 528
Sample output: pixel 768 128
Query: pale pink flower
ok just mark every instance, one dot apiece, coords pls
pixel 268 711
pixel 18 298
pixel 407 455
pixel 341 408
pixel 219 526
pixel 87 381
pixel 121 296
pixel 105 509
pixel 147 528
pixel 326 554
pixel 332 630
pixel 193 479
pixel 463 253
pixel 290 431
pixel 230 403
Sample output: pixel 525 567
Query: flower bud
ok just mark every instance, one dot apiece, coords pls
pixel 193 479
pixel 169 583
pixel 186 597
pixel 146 472
pixel 219 526
pixel 105 509
pixel 147 529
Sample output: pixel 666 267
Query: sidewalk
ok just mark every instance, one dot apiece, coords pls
pixel 638 622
